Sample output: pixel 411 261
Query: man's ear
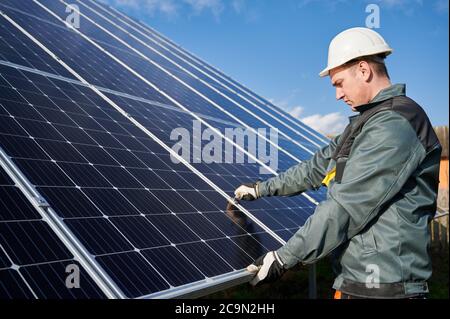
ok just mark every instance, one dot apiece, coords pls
pixel 365 70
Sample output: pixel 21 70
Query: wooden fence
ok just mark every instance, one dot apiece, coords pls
pixel 439 231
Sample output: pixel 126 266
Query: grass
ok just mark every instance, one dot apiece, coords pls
pixel 439 280
pixel 294 284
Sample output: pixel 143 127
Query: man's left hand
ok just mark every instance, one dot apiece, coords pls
pixel 266 268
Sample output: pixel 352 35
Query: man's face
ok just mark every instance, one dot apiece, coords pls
pixel 351 85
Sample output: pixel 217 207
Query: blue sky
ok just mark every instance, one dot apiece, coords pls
pixel 277 48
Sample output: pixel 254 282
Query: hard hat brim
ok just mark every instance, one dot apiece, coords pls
pixel 386 50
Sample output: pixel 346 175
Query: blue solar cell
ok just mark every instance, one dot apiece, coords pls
pixel 167 259
pixel 33 246
pixel 60 151
pixel 173 228
pixel 233 224
pixel 126 158
pixel 174 201
pixel 48 281
pixel 70 202
pixel 205 259
pixel 95 154
pixel 20 110
pixel 133 273
pixel 84 175
pixel 8 126
pixel 201 226
pixel 149 178
pixel 13 286
pixel 13 205
pixel 118 176
pixel 44 173
pixel 238 259
pixel 104 139
pixel 140 232
pixel 145 201
pixel 110 202
pixel 5 179
pixel 19 146
pixel 98 235
pixel 4 260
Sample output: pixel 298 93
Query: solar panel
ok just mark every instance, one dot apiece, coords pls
pixel 33 260
pixel 108 200
pixel 90 131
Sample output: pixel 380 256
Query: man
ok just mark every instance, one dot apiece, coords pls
pixel 381 174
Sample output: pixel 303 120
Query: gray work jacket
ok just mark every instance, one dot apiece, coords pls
pixel 374 221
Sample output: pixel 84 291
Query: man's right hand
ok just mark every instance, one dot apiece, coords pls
pixel 247 192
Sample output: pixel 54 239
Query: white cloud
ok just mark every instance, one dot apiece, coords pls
pixel 296 111
pixel 331 124
pixel 328 124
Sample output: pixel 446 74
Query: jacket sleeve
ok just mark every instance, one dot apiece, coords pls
pixel 301 177
pixel 383 157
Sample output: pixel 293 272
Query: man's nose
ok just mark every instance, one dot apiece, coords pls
pixel 339 94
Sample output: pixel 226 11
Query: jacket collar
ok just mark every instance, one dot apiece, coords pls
pixel 383 95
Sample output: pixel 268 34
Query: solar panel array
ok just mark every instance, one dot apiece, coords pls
pixel 86 116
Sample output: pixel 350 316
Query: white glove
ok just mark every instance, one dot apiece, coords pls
pixel 247 192
pixel 266 268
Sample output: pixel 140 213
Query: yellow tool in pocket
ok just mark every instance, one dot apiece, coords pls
pixel 329 177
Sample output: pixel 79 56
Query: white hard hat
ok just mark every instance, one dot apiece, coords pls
pixel 354 43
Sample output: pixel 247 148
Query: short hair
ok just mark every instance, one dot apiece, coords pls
pixel 377 62
pixel 380 69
